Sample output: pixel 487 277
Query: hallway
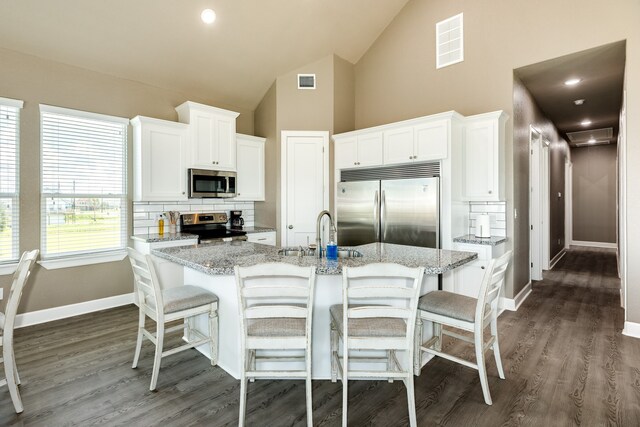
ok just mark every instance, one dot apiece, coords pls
pixel 565 360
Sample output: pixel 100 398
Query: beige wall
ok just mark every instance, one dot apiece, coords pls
pixel 266 126
pixel 397 79
pixel 594 193
pixel 37 81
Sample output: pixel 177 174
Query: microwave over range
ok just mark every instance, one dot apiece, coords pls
pixel 205 183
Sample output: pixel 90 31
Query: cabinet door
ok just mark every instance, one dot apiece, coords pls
pixel 431 141
pixel 480 161
pixel 203 151
pixel 224 143
pixel 250 169
pixel 468 278
pixel 163 158
pixel 370 149
pixel 398 146
pixel 346 153
pixel 266 238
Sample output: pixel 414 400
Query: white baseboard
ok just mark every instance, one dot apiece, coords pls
pixel 57 313
pixel 556 258
pixel 515 303
pixel 631 329
pixel 595 244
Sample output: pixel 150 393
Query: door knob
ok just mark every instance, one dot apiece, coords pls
pixel 291 227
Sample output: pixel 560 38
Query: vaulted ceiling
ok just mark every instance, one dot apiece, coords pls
pixel 164 43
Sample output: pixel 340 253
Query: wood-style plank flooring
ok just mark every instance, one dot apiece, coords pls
pixel 565 360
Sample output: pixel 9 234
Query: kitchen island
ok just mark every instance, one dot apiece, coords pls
pixel 211 266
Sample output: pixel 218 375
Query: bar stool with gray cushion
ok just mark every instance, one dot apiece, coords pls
pixel 377 316
pixel 7 323
pixel 163 306
pixel 275 301
pixel 444 308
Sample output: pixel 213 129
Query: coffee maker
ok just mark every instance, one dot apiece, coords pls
pixel 236 220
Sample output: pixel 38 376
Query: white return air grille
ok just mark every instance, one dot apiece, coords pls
pixel 449 41
pixel 414 170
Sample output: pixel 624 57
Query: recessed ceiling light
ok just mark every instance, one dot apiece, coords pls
pixel 572 82
pixel 592 141
pixel 585 122
pixel 208 16
pixel 579 101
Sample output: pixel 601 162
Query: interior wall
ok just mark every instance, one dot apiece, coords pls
pixel 265 126
pixel 396 79
pixel 594 193
pixel 37 81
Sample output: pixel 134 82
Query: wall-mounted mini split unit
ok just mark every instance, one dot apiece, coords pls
pixel 306 81
pixel 449 41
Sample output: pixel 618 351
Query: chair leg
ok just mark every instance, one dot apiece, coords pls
pixel 139 341
pixel 496 348
pixel 345 383
pixel 243 395
pixel 390 366
pixel 417 343
pixel 411 400
pixel 308 390
pixel 10 373
pixel 158 356
pixel 213 336
pixel 482 368
pixel 437 331
pixel 334 352
pixel 15 368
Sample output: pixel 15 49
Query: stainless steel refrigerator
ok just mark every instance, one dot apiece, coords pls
pixel 401 211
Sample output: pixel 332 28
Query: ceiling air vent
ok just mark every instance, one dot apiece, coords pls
pixel 306 81
pixel 590 136
pixel 449 41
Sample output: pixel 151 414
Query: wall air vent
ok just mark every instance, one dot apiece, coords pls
pixel 306 81
pixel 449 41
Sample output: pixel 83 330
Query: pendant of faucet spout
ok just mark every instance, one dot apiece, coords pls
pixel 332 231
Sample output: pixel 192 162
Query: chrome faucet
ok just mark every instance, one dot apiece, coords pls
pixel 332 230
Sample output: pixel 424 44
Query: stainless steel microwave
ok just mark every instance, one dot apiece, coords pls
pixel 205 183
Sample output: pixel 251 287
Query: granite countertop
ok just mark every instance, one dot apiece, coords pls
pixel 250 230
pixel 166 237
pixel 470 238
pixel 219 258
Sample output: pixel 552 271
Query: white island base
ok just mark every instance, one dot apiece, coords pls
pixel 328 291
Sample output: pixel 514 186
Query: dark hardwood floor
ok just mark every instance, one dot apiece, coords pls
pixel 565 360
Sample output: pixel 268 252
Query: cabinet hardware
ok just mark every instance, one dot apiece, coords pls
pixel 291 227
pixel 482 267
pixel 490 191
pixel 184 192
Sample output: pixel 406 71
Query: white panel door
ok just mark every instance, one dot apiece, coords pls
pixel 202 150
pixel 304 184
pixel 480 156
pixel 431 141
pixel 250 168
pixel 398 146
pixel 370 149
pixel 224 143
pixel 164 173
pixel 346 153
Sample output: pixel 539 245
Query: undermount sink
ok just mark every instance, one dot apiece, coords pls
pixel 342 253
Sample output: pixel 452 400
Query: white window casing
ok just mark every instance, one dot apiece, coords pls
pixel 83 187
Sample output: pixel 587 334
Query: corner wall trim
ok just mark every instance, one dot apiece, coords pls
pixel 631 329
pixel 595 244
pixel 515 303
pixel 557 258
pixel 57 313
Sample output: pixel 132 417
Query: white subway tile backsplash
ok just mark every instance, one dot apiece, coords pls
pixel 497 215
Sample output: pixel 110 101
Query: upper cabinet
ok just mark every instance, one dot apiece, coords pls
pixel 250 167
pixel 358 150
pixel 213 135
pixel 419 143
pixel 160 151
pixel 483 160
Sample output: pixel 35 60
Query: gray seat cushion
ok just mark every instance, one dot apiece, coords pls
pixel 369 327
pixel 276 327
pixel 449 304
pixel 186 297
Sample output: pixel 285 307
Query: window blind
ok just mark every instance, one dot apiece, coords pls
pixel 83 209
pixel 9 180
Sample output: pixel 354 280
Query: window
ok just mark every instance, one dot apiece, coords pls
pixel 9 188
pixel 84 201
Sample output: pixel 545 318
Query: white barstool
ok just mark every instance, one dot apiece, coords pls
pixel 378 313
pixel 276 308
pixel 163 306
pixel 444 308
pixel 7 324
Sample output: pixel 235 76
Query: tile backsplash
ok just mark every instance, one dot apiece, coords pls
pixel 145 214
pixel 497 213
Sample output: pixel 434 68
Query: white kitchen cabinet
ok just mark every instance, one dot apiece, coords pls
pixel 213 135
pixel 483 160
pixel 250 170
pixel 468 278
pixel 160 150
pixel 265 238
pixel 356 151
pixel 419 143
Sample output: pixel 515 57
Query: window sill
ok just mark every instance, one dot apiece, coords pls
pixel 6 269
pixel 80 260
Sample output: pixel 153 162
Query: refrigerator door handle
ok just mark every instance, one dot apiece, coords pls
pixel 383 208
pixel 376 214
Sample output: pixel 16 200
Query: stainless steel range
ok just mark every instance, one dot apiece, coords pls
pixel 210 227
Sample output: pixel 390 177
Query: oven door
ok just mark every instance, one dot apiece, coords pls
pixel 208 183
